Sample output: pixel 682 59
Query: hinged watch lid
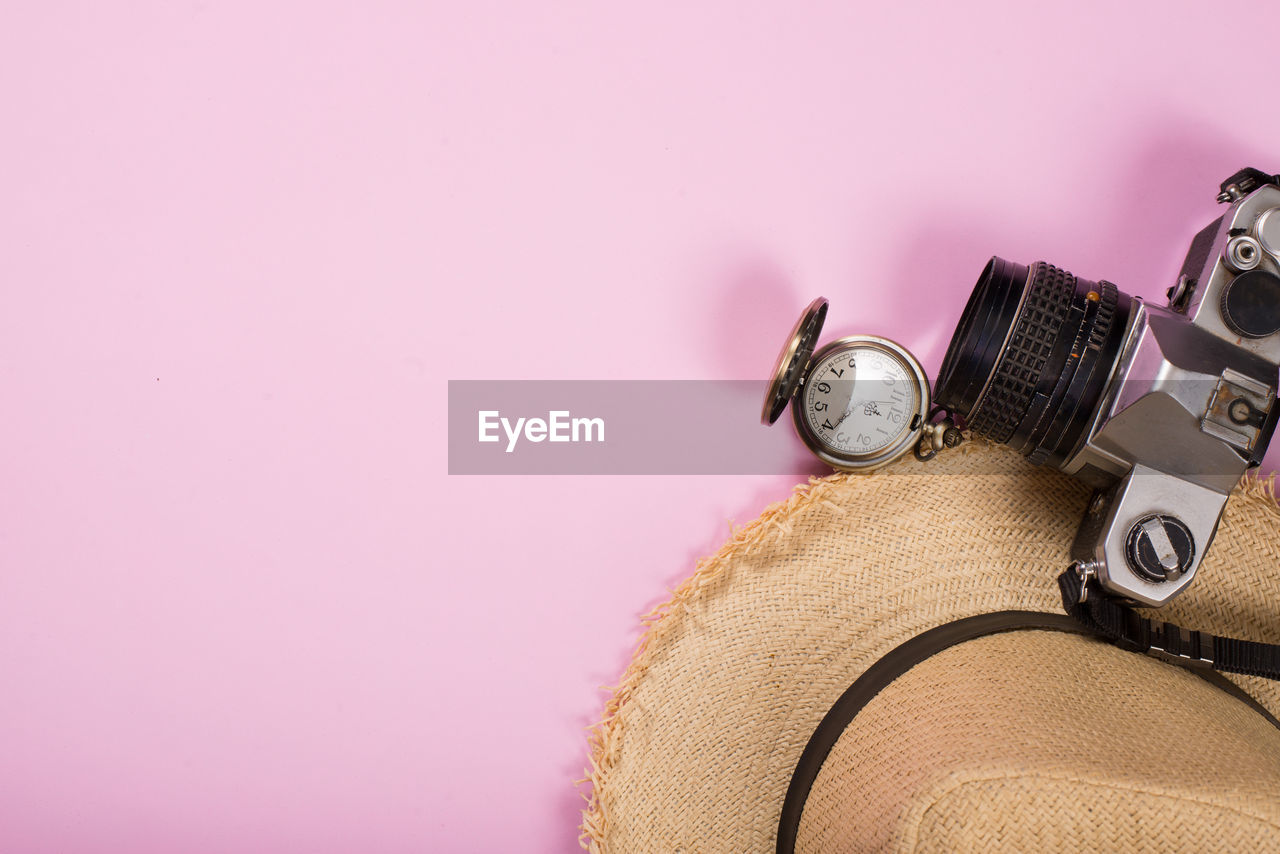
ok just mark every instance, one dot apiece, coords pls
pixel 792 360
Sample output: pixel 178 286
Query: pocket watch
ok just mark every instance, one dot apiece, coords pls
pixel 858 403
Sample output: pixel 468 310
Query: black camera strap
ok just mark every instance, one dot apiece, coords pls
pixel 1085 600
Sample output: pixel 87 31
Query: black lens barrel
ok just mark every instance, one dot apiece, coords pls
pixel 1030 358
pixel 979 337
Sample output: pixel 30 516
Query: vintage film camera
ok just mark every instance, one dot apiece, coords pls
pixel 1161 407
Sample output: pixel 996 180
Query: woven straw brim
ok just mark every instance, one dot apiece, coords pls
pixel 699 742
pixel 1044 741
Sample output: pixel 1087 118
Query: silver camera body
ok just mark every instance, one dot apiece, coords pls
pixel 1161 407
pixel 1191 405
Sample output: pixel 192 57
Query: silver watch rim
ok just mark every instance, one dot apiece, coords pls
pixel 877 459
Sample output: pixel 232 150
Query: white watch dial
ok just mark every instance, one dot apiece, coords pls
pixel 860 400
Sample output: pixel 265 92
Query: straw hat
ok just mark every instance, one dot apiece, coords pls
pixel 812 627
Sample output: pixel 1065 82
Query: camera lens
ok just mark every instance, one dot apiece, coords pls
pixel 1030 358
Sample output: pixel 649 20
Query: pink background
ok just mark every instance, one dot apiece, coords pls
pixel 244 246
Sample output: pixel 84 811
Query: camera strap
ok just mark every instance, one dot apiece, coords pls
pixel 1084 599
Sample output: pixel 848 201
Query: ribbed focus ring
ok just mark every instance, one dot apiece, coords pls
pixel 1106 314
pixel 1058 423
pixel 1043 313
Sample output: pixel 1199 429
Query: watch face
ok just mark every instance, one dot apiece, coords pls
pixel 859 400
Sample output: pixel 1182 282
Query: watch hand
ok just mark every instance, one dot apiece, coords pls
pixel 860 404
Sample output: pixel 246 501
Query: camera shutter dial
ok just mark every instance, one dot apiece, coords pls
pixel 1160 548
